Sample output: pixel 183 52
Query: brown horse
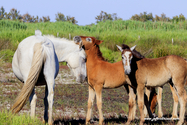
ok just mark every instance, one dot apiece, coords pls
pixel 153 97
pixel 154 73
pixel 102 74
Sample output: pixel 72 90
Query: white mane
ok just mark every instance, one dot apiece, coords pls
pixel 63 46
pixel 51 37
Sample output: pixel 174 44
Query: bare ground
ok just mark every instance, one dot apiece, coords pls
pixel 70 100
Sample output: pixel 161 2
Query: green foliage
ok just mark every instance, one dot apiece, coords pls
pixel 7 55
pixel 153 38
pixel 7 118
pixel 11 25
pixel 110 55
pixel 104 16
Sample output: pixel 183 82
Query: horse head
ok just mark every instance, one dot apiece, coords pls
pixel 77 63
pixel 127 56
pixel 87 41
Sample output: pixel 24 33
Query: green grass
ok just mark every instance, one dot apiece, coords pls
pixel 154 39
pixel 7 118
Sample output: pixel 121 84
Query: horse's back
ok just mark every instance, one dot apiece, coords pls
pixel 158 71
pixel 177 66
pixel 23 56
pixel 153 71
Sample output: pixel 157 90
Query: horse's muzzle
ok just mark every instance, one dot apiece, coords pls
pixel 127 70
pixel 81 79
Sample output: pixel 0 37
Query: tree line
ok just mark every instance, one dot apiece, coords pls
pixel 14 14
pixel 149 17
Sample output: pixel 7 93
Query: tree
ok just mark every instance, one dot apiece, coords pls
pixel 14 14
pixel 105 16
pixel 46 19
pixel 7 16
pixel 157 18
pixel 60 17
pixel 2 13
pixel 135 17
pixel 181 18
pixel 27 18
pixel 142 17
pixel 71 19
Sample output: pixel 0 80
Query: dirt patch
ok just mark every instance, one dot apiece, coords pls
pixel 70 100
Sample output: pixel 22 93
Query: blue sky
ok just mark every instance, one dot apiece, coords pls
pixel 85 11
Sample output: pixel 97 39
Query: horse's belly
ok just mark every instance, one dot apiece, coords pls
pixel 156 78
pixel 157 81
pixel 113 84
pixel 41 82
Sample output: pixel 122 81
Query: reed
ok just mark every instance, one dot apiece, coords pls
pixel 150 37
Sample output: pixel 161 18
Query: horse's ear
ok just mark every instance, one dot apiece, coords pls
pixel 80 45
pixel 119 48
pixel 77 39
pixel 132 48
pixel 98 42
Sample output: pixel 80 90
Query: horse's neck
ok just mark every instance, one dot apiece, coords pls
pixel 64 48
pixel 92 56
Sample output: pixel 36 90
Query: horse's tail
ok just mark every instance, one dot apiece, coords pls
pixel 36 66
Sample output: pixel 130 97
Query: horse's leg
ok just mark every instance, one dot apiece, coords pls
pixel 98 90
pixel 159 98
pixel 175 103
pixel 50 85
pixel 132 104
pixel 90 103
pixel 147 92
pixel 142 99
pixel 133 99
pixel 179 84
pixel 46 105
pixel 146 103
pixel 153 100
pixel 32 100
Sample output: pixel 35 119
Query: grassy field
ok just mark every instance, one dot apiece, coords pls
pixel 70 103
pixel 7 118
pixel 153 39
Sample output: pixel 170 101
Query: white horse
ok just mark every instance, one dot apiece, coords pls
pixel 36 62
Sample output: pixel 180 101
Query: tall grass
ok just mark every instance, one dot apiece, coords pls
pixel 154 39
pixel 7 118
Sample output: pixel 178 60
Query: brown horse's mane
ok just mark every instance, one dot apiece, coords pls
pixel 134 52
pixel 99 54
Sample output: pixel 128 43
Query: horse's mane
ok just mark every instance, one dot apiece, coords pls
pixel 58 38
pixel 134 52
pixel 99 54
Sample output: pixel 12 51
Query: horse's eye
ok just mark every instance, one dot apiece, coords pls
pixel 122 57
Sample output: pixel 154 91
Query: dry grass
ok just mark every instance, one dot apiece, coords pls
pixel 70 101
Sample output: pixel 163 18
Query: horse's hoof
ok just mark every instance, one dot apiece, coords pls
pixel 174 117
pixel 160 115
pixel 43 121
